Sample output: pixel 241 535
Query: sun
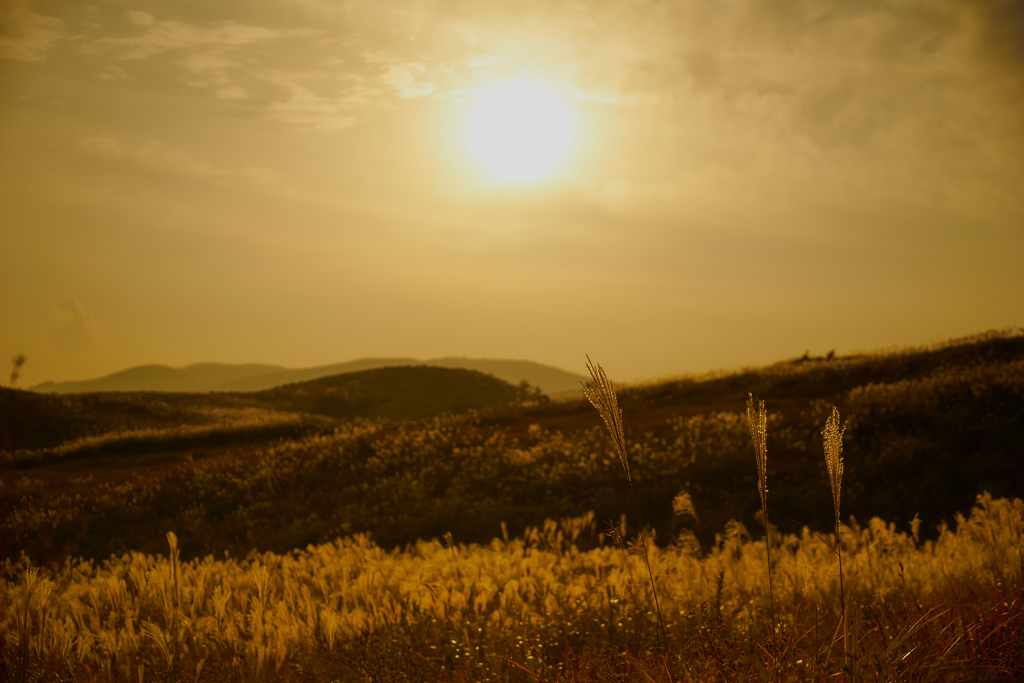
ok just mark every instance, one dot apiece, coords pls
pixel 520 132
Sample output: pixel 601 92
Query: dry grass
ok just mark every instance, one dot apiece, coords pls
pixel 757 421
pixel 833 441
pixel 538 607
pixel 350 610
pixel 601 394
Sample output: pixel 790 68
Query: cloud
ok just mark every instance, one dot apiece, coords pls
pixel 1001 32
pixel 112 73
pixel 154 158
pixel 26 36
pixel 167 36
pixel 406 80
pixel 151 158
pixel 209 54
pixel 141 18
pixel 742 74
pixel 481 61
pixel 72 328
pixel 308 110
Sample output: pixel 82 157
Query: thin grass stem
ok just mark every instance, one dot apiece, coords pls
pixel 757 421
pixel 833 441
pixel 601 394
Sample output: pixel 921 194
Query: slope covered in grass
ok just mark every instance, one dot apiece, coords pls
pixel 397 393
pixel 538 607
pixel 32 421
pixel 928 431
pixel 149 421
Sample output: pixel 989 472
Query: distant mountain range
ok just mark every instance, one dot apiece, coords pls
pixel 257 377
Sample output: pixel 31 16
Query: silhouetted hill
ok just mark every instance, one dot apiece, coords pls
pixel 549 379
pixel 257 377
pixel 30 420
pixel 400 393
pixel 196 377
pixel 291 376
pixel 139 378
pixel 218 374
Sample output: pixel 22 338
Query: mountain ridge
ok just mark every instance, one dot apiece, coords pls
pixel 231 377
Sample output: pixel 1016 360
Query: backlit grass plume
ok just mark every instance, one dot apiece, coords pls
pixel 601 394
pixel 757 420
pixel 832 436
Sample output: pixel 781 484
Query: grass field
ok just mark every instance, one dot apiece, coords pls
pixel 501 544
pixel 536 607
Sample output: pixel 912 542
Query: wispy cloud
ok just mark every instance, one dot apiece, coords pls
pixel 160 36
pixel 150 158
pixel 306 109
pixel 211 55
pixel 156 158
pixel 26 36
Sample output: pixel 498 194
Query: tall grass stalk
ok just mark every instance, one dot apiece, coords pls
pixel 757 420
pixel 833 440
pixel 601 394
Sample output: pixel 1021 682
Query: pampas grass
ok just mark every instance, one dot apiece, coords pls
pixel 833 440
pixel 757 420
pixel 601 394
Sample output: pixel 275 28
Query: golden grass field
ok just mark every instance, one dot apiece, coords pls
pixel 535 607
pixel 143 557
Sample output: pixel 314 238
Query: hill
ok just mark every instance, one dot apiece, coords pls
pixel 397 393
pixel 256 377
pixel 928 430
pixel 112 421
pixel 549 379
pixel 291 376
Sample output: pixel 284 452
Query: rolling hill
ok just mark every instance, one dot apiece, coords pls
pixel 398 393
pixel 256 377
pixel 32 421
pixel 928 430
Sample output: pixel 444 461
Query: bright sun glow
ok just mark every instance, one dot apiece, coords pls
pixel 520 132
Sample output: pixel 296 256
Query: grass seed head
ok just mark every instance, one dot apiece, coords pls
pixel 833 437
pixel 682 506
pixel 757 420
pixel 601 394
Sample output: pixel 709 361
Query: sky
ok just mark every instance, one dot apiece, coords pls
pixel 292 181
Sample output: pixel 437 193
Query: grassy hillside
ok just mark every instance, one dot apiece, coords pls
pixel 397 393
pixel 538 607
pixel 37 424
pixel 33 421
pixel 928 431
pixel 338 582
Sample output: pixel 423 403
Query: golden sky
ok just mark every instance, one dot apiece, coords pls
pixel 292 181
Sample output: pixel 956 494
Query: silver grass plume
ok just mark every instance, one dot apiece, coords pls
pixel 602 395
pixel 833 437
pixel 757 420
